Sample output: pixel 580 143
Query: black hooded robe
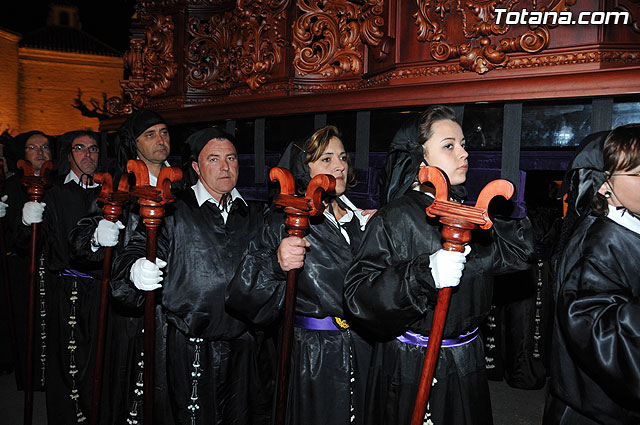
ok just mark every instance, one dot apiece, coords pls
pixel 389 290
pixel 596 368
pixel 323 362
pixel 232 362
pixel 73 307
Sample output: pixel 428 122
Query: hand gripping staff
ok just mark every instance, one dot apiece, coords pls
pixel 298 209
pixel 35 189
pixel 5 276
pixel 458 221
pixel 112 206
pixel 152 201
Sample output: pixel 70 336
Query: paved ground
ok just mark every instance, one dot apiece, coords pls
pixel 510 406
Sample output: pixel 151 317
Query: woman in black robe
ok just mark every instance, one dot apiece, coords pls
pixel 329 360
pixel 391 292
pixel 595 369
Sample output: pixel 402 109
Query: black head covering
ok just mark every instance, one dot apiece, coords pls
pixel 585 174
pixel 405 156
pixel 196 142
pixel 136 124
pixel 293 159
pixel 14 150
pixel 64 149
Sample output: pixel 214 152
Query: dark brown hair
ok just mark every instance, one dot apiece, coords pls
pixel 430 116
pixel 318 143
pixel 621 152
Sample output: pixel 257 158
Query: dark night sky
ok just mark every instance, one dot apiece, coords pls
pixel 107 20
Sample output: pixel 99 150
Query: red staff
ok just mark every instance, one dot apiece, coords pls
pixel 458 221
pixel 152 201
pixel 5 276
pixel 112 206
pixel 35 189
pixel 298 209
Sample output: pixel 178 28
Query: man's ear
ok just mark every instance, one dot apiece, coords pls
pixel 196 167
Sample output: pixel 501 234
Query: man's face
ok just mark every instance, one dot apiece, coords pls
pixel 84 156
pixel 37 150
pixel 153 144
pixel 217 167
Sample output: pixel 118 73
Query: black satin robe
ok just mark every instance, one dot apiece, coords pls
pixel 319 376
pixel 17 249
pixel 236 363
pixel 123 336
pixel 389 290
pixel 595 369
pixel 65 205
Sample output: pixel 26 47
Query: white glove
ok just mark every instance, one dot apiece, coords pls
pixel 107 233
pixel 32 212
pixel 446 267
pixel 145 275
pixel 3 205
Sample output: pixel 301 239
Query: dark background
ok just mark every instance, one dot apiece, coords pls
pixel 107 20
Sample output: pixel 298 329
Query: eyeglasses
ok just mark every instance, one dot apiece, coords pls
pixel 82 148
pixel 626 174
pixel 34 148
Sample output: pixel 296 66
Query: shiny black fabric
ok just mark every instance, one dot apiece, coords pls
pixel 389 290
pixel 65 205
pixel 596 341
pixel 18 253
pixel 320 366
pixel 202 253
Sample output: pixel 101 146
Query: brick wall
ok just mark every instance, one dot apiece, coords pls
pixel 9 118
pixel 49 83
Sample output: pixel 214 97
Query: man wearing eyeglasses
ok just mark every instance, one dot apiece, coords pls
pixel 74 293
pixel 35 147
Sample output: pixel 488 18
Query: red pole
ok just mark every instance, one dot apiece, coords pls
pixel 35 189
pixel 113 203
pixel 298 210
pixel 458 221
pixel 152 201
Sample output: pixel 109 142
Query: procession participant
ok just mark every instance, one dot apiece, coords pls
pixel 35 147
pixel 329 360
pixel 392 285
pixel 595 371
pixel 209 353
pixel 72 312
pixel 144 135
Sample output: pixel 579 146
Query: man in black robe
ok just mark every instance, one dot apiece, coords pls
pixel 72 316
pixel 36 148
pixel 144 136
pixel 212 359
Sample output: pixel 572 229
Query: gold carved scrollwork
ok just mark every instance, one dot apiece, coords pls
pixel 328 35
pixel 239 46
pixel 436 20
pixel 151 62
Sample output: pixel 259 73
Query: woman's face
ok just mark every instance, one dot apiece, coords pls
pixel 333 161
pixel 445 149
pixel 626 189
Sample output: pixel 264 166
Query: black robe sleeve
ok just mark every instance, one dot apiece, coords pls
pixel 598 310
pixel 390 289
pixel 256 292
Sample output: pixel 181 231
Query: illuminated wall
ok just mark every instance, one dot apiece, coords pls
pixel 9 117
pixel 48 86
pixel 38 87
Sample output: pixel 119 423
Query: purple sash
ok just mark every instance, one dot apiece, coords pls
pixel 74 273
pixel 324 324
pixel 416 339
